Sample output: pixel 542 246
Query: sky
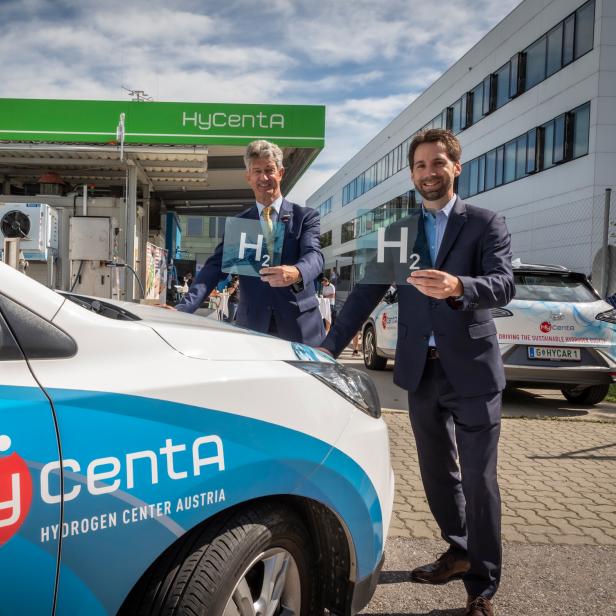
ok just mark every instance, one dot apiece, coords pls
pixel 365 60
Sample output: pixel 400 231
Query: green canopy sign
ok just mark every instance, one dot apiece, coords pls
pixel 84 121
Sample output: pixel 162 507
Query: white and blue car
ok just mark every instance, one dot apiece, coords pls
pixel 155 462
pixel 556 332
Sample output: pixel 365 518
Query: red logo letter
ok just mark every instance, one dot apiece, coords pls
pixel 15 495
pixel 546 327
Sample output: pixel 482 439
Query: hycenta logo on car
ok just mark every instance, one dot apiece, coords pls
pixel 546 327
pixel 15 491
pixel 104 476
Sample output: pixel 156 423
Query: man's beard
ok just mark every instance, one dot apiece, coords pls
pixel 436 193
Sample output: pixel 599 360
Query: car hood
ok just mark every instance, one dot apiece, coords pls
pixel 205 338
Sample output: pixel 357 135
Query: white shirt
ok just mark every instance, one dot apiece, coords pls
pixel 275 207
pixel 329 292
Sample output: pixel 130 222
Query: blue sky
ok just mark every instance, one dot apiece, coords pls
pixel 365 60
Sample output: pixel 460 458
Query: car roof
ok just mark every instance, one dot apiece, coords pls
pixel 518 267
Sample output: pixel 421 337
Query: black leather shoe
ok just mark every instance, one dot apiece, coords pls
pixel 479 606
pixel 451 565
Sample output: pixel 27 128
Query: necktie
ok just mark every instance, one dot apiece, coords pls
pixel 267 217
pixel 269 229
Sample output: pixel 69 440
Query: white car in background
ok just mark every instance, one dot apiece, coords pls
pixel 556 332
pixel 155 462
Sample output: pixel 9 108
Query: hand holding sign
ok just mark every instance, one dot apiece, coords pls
pixel 435 283
pixel 280 276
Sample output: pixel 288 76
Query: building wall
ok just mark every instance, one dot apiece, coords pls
pixel 555 215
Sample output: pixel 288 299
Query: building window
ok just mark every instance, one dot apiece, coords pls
pixel 346 232
pixel 509 173
pixel 558 153
pixel 535 63
pixel 502 85
pixel 584 28
pixel 194 226
pixel 477 103
pixel 520 159
pixel 326 239
pixel 548 145
pixel 456 124
pixel 500 164
pixel 555 50
pixel 325 208
pixel 531 151
pixel 581 130
pixel 568 39
pixel 490 170
pixel 514 76
pixel 464 182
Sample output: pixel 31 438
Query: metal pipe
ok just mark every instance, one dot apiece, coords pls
pixel 605 268
pixel 85 200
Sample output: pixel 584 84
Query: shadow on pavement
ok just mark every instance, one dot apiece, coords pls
pixel 456 612
pixel 549 403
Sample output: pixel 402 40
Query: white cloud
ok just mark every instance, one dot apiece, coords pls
pixel 366 61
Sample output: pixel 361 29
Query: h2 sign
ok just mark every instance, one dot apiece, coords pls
pixel 394 247
pixel 248 247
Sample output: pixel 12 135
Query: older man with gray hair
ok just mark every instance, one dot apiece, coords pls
pixel 282 301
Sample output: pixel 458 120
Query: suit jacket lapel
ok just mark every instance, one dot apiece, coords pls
pixel 456 221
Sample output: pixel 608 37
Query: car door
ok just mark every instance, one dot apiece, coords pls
pixel 30 527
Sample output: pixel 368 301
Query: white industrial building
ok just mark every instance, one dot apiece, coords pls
pixel 534 106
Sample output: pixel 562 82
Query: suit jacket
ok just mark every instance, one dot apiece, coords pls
pixel 296 314
pixel 476 248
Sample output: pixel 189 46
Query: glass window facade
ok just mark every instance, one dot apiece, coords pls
pixel 561 45
pixel 562 139
pixel 194 225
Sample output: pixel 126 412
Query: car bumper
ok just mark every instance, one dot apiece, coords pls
pixel 578 375
pixel 361 592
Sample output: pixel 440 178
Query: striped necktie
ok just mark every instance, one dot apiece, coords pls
pixel 269 229
pixel 267 217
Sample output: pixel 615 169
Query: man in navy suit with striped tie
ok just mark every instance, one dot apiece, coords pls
pixel 282 300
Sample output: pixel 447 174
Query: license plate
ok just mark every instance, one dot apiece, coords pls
pixel 553 353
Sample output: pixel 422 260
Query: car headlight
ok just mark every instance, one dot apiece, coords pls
pixel 350 383
pixel 609 316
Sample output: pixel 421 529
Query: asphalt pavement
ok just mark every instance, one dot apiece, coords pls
pixel 557 473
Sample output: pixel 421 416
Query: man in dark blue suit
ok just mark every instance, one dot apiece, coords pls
pixel 448 359
pixel 282 300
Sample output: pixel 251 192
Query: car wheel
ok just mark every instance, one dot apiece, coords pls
pixel 259 562
pixel 371 359
pixel 585 395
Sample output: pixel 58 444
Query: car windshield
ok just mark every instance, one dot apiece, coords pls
pixel 554 287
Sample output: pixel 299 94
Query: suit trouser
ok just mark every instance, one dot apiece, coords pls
pixel 465 505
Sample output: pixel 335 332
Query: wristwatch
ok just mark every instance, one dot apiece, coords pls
pixel 298 285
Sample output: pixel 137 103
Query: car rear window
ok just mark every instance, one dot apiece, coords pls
pixel 566 287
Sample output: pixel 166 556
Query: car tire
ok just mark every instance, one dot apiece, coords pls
pixel 261 556
pixel 368 344
pixel 585 395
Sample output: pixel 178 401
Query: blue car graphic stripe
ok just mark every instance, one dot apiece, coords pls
pixel 140 471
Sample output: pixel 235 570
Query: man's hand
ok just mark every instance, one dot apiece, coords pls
pixel 280 275
pixel 435 283
pixel 165 306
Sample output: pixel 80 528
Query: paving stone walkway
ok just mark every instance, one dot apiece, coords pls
pixel 557 480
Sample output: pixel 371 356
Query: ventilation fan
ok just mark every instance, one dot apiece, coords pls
pixel 15 224
pixel 34 224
